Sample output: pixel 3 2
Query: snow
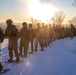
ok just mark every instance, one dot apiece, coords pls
pixel 58 59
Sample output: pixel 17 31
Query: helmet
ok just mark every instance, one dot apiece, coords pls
pixel 30 25
pixel 43 24
pixel 71 25
pixel 9 21
pixel 38 24
pixel 24 24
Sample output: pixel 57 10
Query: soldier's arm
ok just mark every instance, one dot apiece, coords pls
pixel 20 33
pixel 33 33
pixel 14 31
pixel 5 32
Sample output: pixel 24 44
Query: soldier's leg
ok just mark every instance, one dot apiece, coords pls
pixel 32 46
pixel 16 52
pixel 45 42
pixel 36 44
pixel 20 48
pixel 50 39
pixel 26 48
pixel 25 51
pixel 10 53
pixel 41 44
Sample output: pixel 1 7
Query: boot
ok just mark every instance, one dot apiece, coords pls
pixel 35 50
pixel 31 52
pixel 17 59
pixel 10 60
pixel 20 54
pixel 25 55
pixel 42 49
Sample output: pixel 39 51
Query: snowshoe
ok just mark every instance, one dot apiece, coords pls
pixel 9 61
pixel 22 55
pixel 5 70
pixel 31 52
pixel 42 49
pixel 15 61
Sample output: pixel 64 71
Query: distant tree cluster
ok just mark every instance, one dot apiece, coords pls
pixel 73 21
pixel 58 17
pixel 34 21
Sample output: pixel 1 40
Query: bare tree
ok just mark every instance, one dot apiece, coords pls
pixel 73 21
pixel 58 17
pixel 34 21
pixel 74 3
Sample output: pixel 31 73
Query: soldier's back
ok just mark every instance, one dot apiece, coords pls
pixel 24 33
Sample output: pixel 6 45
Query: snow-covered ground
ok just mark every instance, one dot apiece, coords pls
pixel 57 59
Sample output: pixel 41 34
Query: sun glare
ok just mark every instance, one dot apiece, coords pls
pixel 40 11
pixel 27 63
pixel 37 10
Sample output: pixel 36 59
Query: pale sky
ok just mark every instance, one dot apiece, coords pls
pixel 23 10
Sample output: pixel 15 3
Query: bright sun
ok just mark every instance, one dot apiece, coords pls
pixel 40 11
pixel 37 10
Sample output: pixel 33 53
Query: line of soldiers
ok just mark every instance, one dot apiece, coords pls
pixel 44 35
